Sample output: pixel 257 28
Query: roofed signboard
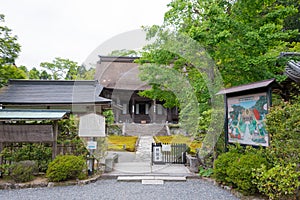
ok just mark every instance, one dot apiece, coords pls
pixel 246 109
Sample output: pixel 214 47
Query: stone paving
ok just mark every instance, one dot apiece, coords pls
pixel 139 163
pixel 143 152
pixel 111 189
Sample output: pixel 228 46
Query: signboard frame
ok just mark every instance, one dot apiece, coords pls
pixel 245 119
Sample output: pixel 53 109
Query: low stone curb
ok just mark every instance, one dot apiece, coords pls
pixel 8 186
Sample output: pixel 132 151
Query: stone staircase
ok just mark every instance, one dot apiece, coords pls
pixel 143 151
pixel 144 129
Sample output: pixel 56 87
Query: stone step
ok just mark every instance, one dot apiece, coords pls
pixel 143 152
pixel 151 178
pixel 144 129
pixel 152 182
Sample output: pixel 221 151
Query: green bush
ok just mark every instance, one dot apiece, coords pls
pixel 109 117
pixel 23 171
pixel 222 163
pixel 66 167
pixel 4 170
pixel 279 182
pixel 40 153
pixel 283 125
pixel 239 171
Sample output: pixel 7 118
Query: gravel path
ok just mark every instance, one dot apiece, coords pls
pixel 111 189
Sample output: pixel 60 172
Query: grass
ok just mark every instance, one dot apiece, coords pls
pixel 121 143
pixel 176 139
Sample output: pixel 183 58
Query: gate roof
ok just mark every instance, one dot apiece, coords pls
pixel 248 87
pixel 19 115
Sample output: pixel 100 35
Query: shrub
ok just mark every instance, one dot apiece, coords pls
pixel 283 125
pixel 4 170
pixel 23 171
pixel 278 182
pixel 66 167
pixel 239 172
pixel 40 153
pixel 222 163
pixel 109 117
pixel 205 172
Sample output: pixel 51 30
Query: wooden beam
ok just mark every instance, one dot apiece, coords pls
pixel 54 144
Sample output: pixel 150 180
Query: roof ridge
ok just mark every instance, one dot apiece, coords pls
pixel 45 82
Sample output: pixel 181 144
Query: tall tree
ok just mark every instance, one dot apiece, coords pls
pixel 8 71
pixel 61 69
pixel 9 48
pixel 9 51
pixel 243 38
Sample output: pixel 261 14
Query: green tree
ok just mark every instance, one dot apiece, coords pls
pixel 9 48
pixel 61 69
pixel 45 76
pixel 37 75
pixel 9 51
pixel 124 52
pixel 9 71
pixel 292 22
pixel 34 74
pixel 244 38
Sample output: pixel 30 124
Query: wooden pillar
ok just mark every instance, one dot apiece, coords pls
pixel 154 111
pixel 54 144
pixel 117 115
pixel 132 110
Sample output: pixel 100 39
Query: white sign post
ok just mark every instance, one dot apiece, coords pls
pixel 91 145
pixel 92 125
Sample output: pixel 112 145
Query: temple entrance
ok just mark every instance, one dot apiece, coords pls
pixel 142 108
pixel 142 112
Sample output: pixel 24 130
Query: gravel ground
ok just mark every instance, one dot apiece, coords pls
pixel 111 189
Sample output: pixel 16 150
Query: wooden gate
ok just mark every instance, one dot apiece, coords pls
pixel 168 153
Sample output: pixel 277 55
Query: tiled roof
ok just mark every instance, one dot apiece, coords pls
pixel 9 114
pixel 52 92
pixel 251 86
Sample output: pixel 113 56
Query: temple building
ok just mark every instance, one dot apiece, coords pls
pixel 121 84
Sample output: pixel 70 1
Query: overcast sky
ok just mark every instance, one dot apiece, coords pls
pixel 75 29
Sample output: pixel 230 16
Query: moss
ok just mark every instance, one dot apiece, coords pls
pixel 180 139
pixel 120 143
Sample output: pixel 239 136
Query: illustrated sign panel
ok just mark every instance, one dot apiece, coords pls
pixel 246 119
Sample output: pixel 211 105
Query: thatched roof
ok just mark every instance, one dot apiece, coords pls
pixel 119 73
